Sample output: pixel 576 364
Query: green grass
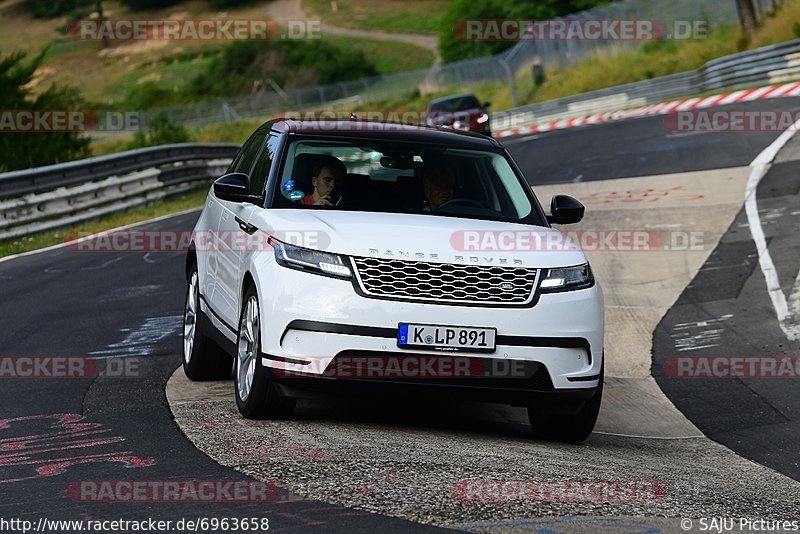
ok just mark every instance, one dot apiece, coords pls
pixel 388 56
pixel 394 16
pixel 651 60
pixel 234 132
pixel 185 201
pixel 648 61
pixel 171 74
pixel 495 93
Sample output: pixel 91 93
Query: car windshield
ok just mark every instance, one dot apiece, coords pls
pixel 399 177
pixel 456 104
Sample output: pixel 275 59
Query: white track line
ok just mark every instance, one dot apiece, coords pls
pixel 786 318
pixel 648 437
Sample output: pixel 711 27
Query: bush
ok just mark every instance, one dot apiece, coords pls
pixel 453 47
pixel 229 3
pixel 50 8
pixel 289 64
pixel 137 5
pixel 20 150
pixel 161 131
pixel 148 95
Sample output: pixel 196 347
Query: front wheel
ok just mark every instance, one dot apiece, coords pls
pixel 256 394
pixel 202 358
pixel 570 428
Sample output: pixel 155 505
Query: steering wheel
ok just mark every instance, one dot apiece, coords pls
pixel 461 202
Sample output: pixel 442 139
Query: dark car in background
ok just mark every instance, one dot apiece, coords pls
pixel 460 112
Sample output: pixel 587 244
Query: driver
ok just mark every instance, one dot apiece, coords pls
pixel 327 175
pixel 439 185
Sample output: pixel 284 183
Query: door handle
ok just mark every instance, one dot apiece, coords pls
pixel 245 226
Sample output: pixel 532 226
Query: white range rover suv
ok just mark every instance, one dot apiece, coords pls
pixel 365 258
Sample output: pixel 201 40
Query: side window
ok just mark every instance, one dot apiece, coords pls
pixel 238 157
pixel 244 160
pixel 261 171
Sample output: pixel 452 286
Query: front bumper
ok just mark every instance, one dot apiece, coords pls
pixel 311 322
pixel 522 393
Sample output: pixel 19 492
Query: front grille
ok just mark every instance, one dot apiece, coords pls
pixel 445 282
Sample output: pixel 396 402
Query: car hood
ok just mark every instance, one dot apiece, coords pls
pixel 449 117
pixel 421 237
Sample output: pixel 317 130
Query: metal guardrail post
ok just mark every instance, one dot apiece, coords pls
pixel 511 84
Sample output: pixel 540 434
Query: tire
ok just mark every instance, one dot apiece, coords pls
pixel 254 385
pixel 202 358
pixel 568 428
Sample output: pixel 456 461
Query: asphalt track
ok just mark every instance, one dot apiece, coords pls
pixel 726 312
pixel 65 303
pixel 111 305
pixel 639 147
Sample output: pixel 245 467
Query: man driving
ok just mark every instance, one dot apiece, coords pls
pixel 439 185
pixel 327 175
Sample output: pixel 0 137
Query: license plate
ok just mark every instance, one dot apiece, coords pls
pixel 445 338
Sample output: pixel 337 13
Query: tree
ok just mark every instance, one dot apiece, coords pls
pixel 20 150
pixel 747 17
pixel 452 42
pixel 161 131
pixel 290 64
pixel 138 5
pixel 453 45
pixel 50 8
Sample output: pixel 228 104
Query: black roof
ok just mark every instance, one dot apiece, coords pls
pixel 452 97
pixel 366 129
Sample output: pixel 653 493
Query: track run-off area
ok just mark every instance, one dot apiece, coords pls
pixel 724 205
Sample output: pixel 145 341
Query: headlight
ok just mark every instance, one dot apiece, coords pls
pixel 483 118
pixel 567 279
pixel 313 261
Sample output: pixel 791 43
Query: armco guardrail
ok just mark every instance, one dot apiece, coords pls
pixel 49 197
pixel 770 64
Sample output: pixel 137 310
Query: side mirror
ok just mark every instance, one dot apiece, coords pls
pixel 487 104
pixel 565 210
pixel 234 187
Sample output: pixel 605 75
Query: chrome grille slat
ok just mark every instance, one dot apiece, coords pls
pixel 445 282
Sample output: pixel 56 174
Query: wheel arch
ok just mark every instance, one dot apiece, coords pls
pixel 191 258
pixel 248 281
